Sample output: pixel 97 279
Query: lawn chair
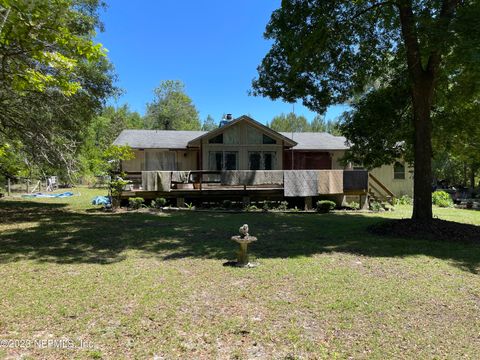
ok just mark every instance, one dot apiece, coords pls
pixel 52 183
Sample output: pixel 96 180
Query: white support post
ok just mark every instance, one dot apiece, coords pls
pixel 364 202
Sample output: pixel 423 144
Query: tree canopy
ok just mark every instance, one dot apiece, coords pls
pixel 298 123
pixel 328 52
pixel 102 132
pixel 53 78
pixel 172 108
pixel 289 122
pixel 209 124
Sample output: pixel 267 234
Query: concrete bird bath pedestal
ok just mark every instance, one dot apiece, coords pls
pixel 243 239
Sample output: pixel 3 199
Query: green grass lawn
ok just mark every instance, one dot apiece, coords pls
pixel 136 285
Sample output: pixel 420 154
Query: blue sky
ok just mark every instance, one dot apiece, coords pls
pixel 213 46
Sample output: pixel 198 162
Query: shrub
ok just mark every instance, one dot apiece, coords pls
pixel 251 208
pixel 116 187
pixel 283 206
pixel 376 206
pixel 353 205
pixel 159 203
pixel 135 202
pixel 267 205
pixel 325 205
pixel 404 200
pixel 442 199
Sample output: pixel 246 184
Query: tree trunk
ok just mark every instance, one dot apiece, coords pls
pixel 423 85
pixel 422 182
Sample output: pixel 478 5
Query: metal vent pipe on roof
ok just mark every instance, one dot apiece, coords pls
pixel 226 119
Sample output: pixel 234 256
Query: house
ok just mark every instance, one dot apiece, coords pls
pixel 244 144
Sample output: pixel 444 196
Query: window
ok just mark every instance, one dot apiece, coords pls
pixel 399 171
pixel 231 160
pixel 215 160
pixel 218 161
pixel 216 140
pixel 223 160
pixel 254 159
pixel 261 160
pixel 268 160
pixel 268 140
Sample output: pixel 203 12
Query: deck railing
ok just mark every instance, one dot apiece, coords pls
pixel 354 181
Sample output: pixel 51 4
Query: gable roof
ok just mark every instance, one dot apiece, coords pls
pixel 156 139
pixel 317 141
pixel 288 141
pixel 182 139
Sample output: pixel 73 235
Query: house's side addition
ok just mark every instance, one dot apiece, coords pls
pixel 159 150
pixel 398 177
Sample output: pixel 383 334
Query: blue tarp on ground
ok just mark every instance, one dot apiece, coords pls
pixel 101 200
pixel 42 195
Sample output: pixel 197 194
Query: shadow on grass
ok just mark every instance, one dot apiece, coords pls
pixel 50 233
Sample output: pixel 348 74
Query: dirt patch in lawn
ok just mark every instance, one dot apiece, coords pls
pixel 435 230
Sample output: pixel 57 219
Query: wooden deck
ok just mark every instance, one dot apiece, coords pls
pixel 199 189
pixel 230 192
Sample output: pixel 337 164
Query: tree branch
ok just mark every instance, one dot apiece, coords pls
pixel 410 37
pixel 446 14
pixel 371 7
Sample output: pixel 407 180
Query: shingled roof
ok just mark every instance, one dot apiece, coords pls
pixel 156 139
pixel 317 141
pixel 173 139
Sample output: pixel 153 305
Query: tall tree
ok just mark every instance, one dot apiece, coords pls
pixel 101 133
pixel 320 124
pixel 289 123
pixel 209 124
pixel 53 77
pixel 326 52
pixel 172 108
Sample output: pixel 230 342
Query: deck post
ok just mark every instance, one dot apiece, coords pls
pixel 364 202
pixel 246 200
pixel 9 190
pixel 308 203
pixel 180 202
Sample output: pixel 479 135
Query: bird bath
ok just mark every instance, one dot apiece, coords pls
pixel 243 239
